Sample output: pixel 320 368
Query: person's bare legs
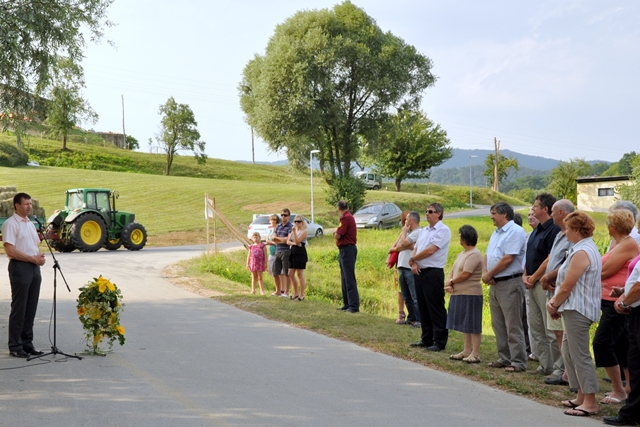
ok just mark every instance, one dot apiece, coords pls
pixel 254 279
pixel 475 344
pixel 303 283
pixel 260 282
pixel 276 281
pixel 294 280
pixel 617 389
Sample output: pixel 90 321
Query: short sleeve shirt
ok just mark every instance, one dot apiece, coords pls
pixel 283 231
pixel 403 256
pixel 507 240
pixel 440 236
pixel 21 233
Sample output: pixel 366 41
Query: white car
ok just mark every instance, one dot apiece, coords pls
pixel 260 224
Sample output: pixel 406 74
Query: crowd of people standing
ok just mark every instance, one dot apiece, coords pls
pixel 546 289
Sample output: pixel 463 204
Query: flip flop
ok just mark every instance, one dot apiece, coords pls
pixel 579 412
pixel 569 404
pixel 612 400
pixel 513 369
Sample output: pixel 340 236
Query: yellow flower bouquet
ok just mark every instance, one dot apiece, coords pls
pixel 99 307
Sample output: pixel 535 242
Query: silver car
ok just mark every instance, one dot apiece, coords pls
pixel 378 215
pixel 260 224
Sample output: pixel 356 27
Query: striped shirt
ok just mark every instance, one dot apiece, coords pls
pixel 585 295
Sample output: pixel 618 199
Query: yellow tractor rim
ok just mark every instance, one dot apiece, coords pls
pixel 137 237
pixel 91 232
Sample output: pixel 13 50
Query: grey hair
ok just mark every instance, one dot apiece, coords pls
pixel 565 205
pixel 625 204
pixel 415 216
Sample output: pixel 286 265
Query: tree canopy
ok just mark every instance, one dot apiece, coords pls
pixel 564 179
pixel 327 77
pixel 504 164
pixel 33 34
pixel 66 107
pixel 632 191
pixel 409 146
pixel 179 131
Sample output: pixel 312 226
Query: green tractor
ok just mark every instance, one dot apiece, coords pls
pixel 90 221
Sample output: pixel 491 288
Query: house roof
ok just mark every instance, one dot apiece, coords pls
pixel 603 179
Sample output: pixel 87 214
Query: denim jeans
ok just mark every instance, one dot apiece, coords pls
pixel 408 290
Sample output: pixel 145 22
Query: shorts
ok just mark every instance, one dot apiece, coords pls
pixel 272 260
pixel 281 264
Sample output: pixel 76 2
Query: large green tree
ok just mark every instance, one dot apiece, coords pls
pixel 632 191
pixel 563 179
pixel 409 146
pixel 33 34
pixel 504 164
pixel 327 77
pixel 179 131
pixel 66 107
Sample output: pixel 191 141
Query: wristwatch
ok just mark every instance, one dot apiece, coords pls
pixel 411 259
pixel 624 306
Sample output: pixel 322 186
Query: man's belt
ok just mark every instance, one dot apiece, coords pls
pixel 503 278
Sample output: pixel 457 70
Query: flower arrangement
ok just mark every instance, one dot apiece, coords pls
pixel 99 307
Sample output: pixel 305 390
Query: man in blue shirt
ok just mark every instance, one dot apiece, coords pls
pixel 503 271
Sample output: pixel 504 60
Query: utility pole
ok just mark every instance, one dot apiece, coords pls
pixel 496 142
pixel 253 153
pixel 126 143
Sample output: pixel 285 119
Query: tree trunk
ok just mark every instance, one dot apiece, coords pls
pixel 167 171
pixel 64 141
pixel 398 182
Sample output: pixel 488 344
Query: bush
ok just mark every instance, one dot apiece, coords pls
pixel 11 155
pixel 347 188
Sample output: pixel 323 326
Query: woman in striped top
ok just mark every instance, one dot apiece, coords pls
pixel 577 301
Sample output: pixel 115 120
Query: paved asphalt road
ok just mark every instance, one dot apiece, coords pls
pixel 192 361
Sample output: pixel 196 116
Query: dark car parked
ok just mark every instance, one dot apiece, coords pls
pixel 378 215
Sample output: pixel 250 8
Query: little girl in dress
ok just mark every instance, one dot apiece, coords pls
pixel 256 262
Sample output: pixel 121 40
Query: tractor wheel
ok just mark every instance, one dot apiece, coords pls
pixel 53 239
pixel 113 245
pixel 61 246
pixel 134 236
pixel 88 232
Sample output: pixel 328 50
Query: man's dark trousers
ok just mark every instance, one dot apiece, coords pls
pixel 25 281
pixel 631 410
pixel 433 315
pixel 347 259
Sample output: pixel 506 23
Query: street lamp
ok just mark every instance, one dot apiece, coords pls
pixel 311 153
pixel 470 182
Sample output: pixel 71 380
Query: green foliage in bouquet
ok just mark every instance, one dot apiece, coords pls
pixel 99 307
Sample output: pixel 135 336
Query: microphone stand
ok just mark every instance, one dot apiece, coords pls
pixel 56 269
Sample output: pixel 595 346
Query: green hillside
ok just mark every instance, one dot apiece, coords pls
pixel 165 204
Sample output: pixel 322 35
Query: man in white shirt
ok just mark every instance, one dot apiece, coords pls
pixel 503 272
pixel 404 247
pixel 21 246
pixel 427 262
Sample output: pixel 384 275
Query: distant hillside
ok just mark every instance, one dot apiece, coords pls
pixel 461 158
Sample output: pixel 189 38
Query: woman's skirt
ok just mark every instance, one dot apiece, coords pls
pixel 465 314
pixel 298 257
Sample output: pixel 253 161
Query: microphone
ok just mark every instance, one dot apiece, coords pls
pixel 32 218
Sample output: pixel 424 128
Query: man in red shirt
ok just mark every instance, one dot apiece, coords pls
pixel 345 237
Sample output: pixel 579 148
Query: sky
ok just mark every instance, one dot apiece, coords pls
pixel 556 79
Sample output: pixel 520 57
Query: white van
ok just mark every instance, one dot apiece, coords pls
pixel 371 180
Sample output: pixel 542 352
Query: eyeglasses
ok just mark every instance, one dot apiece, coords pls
pixel 431 212
pixel 284 214
pixel 297 220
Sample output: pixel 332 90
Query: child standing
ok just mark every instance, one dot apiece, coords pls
pixel 256 261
